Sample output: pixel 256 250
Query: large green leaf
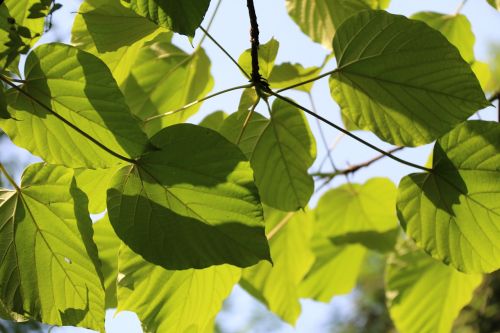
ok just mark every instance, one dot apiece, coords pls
pixel 182 16
pixel 453 213
pixel 267 56
pixel 319 19
pixel 423 294
pixel 401 79
pixel 164 79
pixel 114 33
pixel 166 301
pixel 281 150
pixel 277 285
pixel 190 204
pixel 49 265
pixel 365 214
pixel 80 88
pixel 287 74
pixel 456 28
pixel 108 245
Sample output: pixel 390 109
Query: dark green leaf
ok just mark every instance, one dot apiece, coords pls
pixel 182 16
pixel 401 79
pixel 190 204
pixel 453 212
pixel 3 105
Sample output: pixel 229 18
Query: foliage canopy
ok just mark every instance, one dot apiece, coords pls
pixel 188 211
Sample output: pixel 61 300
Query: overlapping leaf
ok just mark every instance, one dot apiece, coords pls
pixel 453 213
pixel 187 301
pixel 277 285
pixel 114 33
pixel 456 28
pixel 401 79
pixel 423 294
pixel 190 204
pixel 495 4
pixel 267 56
pixel 281 150
pixel 365 214
pixel 163 80
pixel 319 19
pixel 80 88
pixel 214 120
pixel 108 245
pixel 49 265
pixel 182 16
pixel 287 74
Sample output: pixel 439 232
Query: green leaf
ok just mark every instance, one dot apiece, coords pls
pixel 80 88
pixel 99 28
pixel 190 204
pixel 19 10
pixel 277 285
pixel 281 150
pixel 49 265
pixel 334 272
pixel 287 74
pixel 453 212
pixel 401 79
pixel 365 214
pixel 108 245
pixel 182 16
pixel 456 28
pixel 319 19
pixel 483 74
pixel 423 294
pixel 267 56
pixel 494 3
pixel 163 80
pixel 4 114
pixel 214 120
pixel 173 301
pixel 95 183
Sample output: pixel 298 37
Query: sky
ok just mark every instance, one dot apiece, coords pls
pixel 231 29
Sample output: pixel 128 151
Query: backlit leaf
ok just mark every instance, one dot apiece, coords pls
pixel 267 56
pixel 453 213
pixel 281 150
pixel 365 214
pixel 423 294
pixel 401 79
pixel 287 74
pixel 166 301
pixel 214 120
pixel 277 285
pixel 49 265
pixel 80 88
pixel 190 204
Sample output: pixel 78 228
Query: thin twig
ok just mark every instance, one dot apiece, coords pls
pixel 9 178
pixel 331 148
pixel 68 123
pixel 247 120
pixel 210 23
pixel 187 106
pixel 321 132
pixel 356 167
pixel 225 52
pixel 307 81
pixel 280 225
pixel 326 121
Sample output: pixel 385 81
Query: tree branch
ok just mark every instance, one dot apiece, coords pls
pixel 68 123
pixel 259 82
pixel 346 132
